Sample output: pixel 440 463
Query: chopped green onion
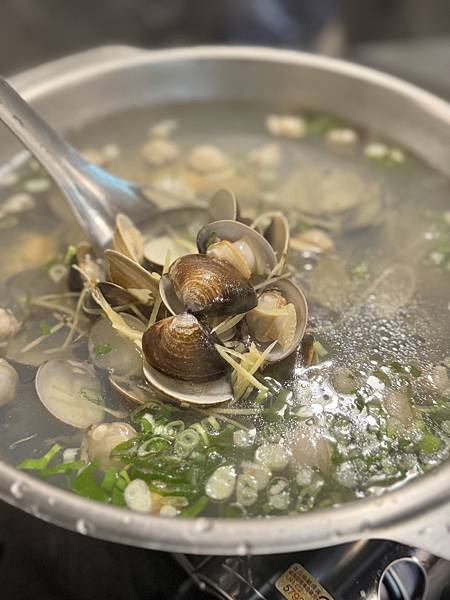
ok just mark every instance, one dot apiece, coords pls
pixel 70 255
pixel 430 443
pixel 186 442
pixel 109 479
pixel 38 464
pixel 85 484
pixel 64 468
pixel 196 508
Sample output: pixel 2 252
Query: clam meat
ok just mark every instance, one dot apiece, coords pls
pixel 243 247
pixel 280 316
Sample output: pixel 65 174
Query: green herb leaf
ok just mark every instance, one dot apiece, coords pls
pixel 102 349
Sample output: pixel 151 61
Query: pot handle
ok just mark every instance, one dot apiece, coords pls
pixel 61 70
pixel 429 531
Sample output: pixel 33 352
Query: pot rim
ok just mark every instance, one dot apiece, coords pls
pixel 370 517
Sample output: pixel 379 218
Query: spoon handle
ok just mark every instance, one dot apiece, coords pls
pixel 94 195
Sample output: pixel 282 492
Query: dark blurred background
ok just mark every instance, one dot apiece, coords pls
pixel 410 38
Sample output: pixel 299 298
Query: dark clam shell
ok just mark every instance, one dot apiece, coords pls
pixel 211 286
pixel 182 348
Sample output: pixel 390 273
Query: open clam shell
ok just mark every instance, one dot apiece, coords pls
pixel 275 228
pixel 211 392
pixel 206 285
pixel 71 392
pixel 170 231
pixel 116 296
pixel 128 274
pixel 169 297
pixel 128 239
pixel 133 390
pixel 223 206
pixel 111 351
pixel 241 245
pixel 283 321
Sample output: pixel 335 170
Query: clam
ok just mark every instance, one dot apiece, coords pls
pixel 246 249
pixel 172 231
pixel 275 228
pixel 332 198
pixel 71 392
pixel 223 206
pixel 204 284
pixel 9 324
pixel 128 239
pixel 9 380
pixel 99 440
pixel 182 348
pixel 117 297
pixel 133 390
pixel 128 274
pixel 210 392
pixel 281 316
pixel 42 336
pixel 109 350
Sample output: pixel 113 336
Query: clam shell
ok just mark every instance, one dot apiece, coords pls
pixel 116 296
pixel 234 231
pixel 59 386
pixel 111 351
pixel 169 296
pixel 128 239
pixel 223 206
pixel 211 392
pixel 259 318
pixel 209 285
pixel 157 237
pixel 275 228
pixel 132 390
pixel 128 274
pixel 181 348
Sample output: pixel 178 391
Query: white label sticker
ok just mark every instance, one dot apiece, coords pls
pixel 297 584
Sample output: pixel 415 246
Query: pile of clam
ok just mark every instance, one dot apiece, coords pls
pixel 230 290
pixel 237 279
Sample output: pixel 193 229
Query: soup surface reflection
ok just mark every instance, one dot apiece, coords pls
pixel 360 401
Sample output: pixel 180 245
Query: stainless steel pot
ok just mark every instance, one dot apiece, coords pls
pixel 77 90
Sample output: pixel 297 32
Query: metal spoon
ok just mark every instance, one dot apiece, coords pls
pixel 94 195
